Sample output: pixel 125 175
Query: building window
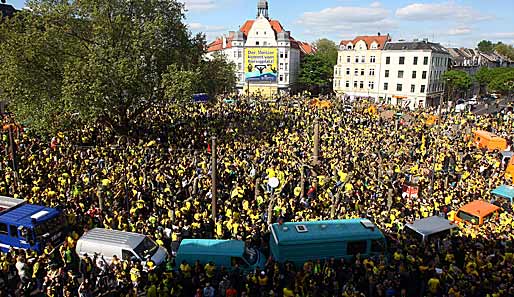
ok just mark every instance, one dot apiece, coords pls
pixel 372 59
pixel 356 72
pixel 355 84
pixel 347 71
pixel 424 75
pixel 287 77
pixel 371 85
pixel 422 89
pixel 240 54
pixel 281 66
pixel 412 88
pixel 356 59
pixel 240 66
pixel 413 74
pixel 281 77
pixel 363 59
pixel 362 72
pixel 348 59
pixel 281 55
pixel 415 60
pixel 256 43
pixel 372 71
pixel 347 83
pixel 400 73
pixel 399 87
pixel 265 43
pixel 285 55
pixel 387 73
pixel 425 61
pixel 386 86
pixel 388 60
pixel 361 85
pixel 287 66
pixel 402 60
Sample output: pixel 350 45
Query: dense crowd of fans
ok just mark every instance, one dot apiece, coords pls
pixel 156 181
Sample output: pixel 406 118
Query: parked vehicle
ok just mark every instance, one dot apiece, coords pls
pixel 489 141
pixel 477 212
pixel 123 245
pixel 223 253
pixel 300 242
pixel 296 242
pixel 431 228
pixel 29 226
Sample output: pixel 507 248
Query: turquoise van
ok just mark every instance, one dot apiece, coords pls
pixel 300 242
pixel 223 253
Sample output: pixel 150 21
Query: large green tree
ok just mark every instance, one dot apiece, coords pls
pixel 503 82
pixel 458 81
pixel 505 50
pixel 485 76
pixel 327 49
pixel 486 46
pixel 317 70
pixel 101 61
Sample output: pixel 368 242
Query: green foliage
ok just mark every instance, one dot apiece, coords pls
pixel 318 69
pixel 486 76
pixel 217 75
pixel 503 82
pixel 315 71
pixel 486 46
pixel 506 50
pixel 457 80
pixel 327 49
pixel 103 61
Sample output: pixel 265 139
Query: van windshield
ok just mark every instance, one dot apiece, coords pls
pixel 250 256
pixel 146 248
pixel 468 217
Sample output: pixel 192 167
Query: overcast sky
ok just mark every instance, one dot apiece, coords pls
pixel 453 23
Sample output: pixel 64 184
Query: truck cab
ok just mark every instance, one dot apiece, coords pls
pixel 28 226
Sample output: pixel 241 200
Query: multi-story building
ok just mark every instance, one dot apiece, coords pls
pixel 411 73
pixel 357 73
pixel 399 73
pixel 266 56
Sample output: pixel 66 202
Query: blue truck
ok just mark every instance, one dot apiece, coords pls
pixel 28 226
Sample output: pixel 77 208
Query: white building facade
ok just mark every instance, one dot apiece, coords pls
pixel 267 58
pixel 398 73
pixel 357 73
pixel 412 72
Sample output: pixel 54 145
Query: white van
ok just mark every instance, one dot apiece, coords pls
pixel 124 245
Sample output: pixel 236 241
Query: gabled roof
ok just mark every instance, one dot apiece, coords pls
pixel 381 40
pixel 6 10
pixel 277 27
pixel 306 48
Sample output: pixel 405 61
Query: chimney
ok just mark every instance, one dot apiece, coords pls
pixel 224 40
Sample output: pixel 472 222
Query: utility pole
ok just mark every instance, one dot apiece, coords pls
pixel 13 152
pixel 213 178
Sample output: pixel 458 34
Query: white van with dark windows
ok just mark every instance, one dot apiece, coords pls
pixel 124 245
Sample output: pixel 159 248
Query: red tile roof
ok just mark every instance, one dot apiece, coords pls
pixel 217 44
pixel 381 40
pixel 306 48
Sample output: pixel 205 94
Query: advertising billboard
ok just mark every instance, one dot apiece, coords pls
pixel 261 64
